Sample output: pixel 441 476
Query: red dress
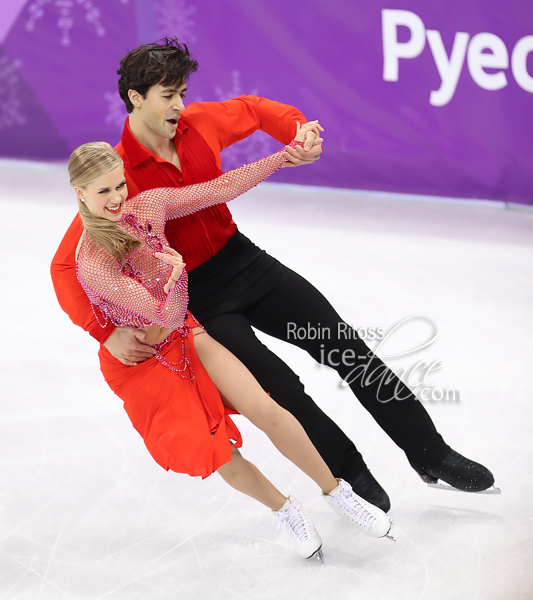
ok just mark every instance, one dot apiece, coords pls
pixel 170 398
pixel 182 420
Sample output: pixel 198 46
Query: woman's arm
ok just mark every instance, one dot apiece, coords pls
pixel 180 202
pixel 123 299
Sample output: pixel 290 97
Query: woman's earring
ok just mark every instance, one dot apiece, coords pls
pixel 82 199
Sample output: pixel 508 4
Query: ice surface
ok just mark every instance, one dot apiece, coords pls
pixel 87 514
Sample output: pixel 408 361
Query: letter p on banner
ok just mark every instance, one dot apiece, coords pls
pixel 392 49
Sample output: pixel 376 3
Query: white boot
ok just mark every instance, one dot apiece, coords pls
pixel 369 518
pixel 302 531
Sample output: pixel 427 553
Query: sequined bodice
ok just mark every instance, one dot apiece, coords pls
pixel 132 294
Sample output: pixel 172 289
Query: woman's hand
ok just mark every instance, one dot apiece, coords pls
pixel 173 258
pixel 309 134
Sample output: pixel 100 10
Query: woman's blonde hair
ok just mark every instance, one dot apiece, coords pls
pixel 85 164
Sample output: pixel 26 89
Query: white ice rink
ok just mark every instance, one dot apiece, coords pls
pixel 86 514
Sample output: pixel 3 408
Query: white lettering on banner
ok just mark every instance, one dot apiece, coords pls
pixel 478 60
pixel 392 49
pixel 485 51
pixel 519 63
pixel 449 70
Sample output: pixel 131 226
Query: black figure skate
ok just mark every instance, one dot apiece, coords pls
pixel 459 474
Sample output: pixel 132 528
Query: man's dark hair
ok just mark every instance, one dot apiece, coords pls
pixel 165 62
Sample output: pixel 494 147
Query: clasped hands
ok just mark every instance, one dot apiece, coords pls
pixel 309 134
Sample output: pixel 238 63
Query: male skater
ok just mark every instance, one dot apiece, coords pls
pixel 233 285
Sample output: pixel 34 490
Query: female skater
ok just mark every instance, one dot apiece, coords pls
pixel 180 400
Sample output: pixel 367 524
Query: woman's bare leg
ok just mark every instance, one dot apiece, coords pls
pixel 240 390
pixel 248 479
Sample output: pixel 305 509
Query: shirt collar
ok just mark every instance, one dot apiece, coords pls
pixel 135 153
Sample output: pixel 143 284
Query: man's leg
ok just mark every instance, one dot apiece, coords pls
pixel 391 403
pixel 294 300
pixel 242 279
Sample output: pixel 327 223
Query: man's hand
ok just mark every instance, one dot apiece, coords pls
pixel 127 345
pixel 309 153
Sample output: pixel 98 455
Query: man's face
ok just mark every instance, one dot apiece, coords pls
pixel 161 109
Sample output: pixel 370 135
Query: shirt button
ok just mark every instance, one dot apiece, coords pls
pixel 180 180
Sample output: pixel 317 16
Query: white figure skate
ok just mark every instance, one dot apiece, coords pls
pixel 367 517
pixel 302 531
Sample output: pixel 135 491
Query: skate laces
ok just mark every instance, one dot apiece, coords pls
pixel 349 504
pixel 295 518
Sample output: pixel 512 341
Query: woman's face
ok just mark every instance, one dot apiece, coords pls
pixel 105 196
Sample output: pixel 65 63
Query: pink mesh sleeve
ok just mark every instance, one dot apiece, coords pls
pixel 187 200
pixel 117 292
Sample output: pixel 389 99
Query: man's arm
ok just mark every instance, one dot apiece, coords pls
pixel 70 295
pixel 224 123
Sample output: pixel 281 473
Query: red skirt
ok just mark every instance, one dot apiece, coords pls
pixel 183 421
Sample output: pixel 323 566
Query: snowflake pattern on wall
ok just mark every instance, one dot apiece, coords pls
pixel 254 147
pixel 116 111
pixel 37 9
pixel 9 103
pixel 174 19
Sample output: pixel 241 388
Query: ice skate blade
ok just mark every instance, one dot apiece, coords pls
pixel 318 555
pixel 389 532
pixel 444 486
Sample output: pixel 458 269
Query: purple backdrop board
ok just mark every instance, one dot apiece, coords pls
pixel 416 97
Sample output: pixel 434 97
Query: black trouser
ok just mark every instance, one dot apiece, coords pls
pixel 242 286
